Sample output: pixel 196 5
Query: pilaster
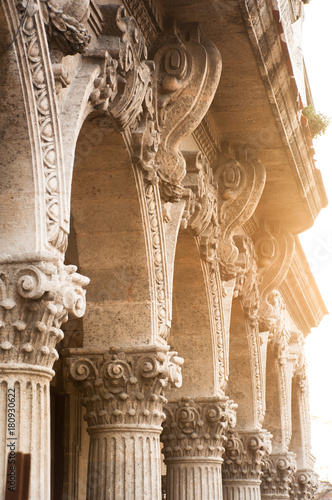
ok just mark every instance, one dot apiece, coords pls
pixel 278 476
pixel 36 299
pixel 123 393
pixel 193 437
pixel 242 468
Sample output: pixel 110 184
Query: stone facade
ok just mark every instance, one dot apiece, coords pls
pixel 154 296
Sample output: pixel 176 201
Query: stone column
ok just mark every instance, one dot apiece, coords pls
pixel 242 468
pixel 193 437
pixel 304 485
pixel 278 475
pixel 35 300
pixel 123 393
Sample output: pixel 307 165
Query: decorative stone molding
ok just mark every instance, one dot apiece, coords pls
pixel 240 186
pixel 52 215
pixel 244 452
pixel 149 16
pixel 278 475
pixel 201 213
pixel 197 428
pixel 35 300
pixel 304 485
pixel 187 73
pixel 275 250
pixel 64 32
pixel 123 393
pixel 124 388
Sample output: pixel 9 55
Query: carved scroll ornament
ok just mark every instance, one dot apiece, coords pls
pixel 35 300
pixel 124 387
pixel 278 474
pixel 195 428
pixel 244 452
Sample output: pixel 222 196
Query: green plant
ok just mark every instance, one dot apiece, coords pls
pixel 318 122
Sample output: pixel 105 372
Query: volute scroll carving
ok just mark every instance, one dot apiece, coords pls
pixel 187 73
pixel 35 300
pixel 197 428
pixel 278 474
pixel 244 452
pixel 304 485
pixel 124 388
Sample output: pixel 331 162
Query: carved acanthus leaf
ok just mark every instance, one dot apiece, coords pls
pixel 244 452
pixel 197 428
pixel 278 474
pixel 35 299
pixel 124 387
pixel 305 485
pixel 64 32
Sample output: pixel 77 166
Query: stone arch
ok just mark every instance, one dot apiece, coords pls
pixel 191 332
pixel 245 383
pixel 110 225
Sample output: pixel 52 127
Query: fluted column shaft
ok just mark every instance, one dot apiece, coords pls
pixel 123 396
pixel 35 299
pixel 194 478
pixel 25 427
pixel 193 437
pixel 124 462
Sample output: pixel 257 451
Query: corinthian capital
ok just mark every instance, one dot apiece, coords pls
pixel 124 387
pixel 197 428
pixel 304 485
pixel 244 452
pixel 35 300
pixel 278 474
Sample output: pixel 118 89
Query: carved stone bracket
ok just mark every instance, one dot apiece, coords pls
pixel 278 475
pixel 201 213
pixel 197 428
pixel 304 485
pixel 188 68
pixel 35 299
pixel 240 186
pixel 124 388
pixel 275 251
pixel 244 452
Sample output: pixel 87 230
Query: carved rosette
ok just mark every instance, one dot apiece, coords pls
pixel 304 485
pixel 197 428
pixel 35 299
pixel 244 452
pixel 278 474
pixel 124 388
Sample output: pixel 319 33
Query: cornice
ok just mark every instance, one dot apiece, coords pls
pixel 301 294
pixel 264 36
